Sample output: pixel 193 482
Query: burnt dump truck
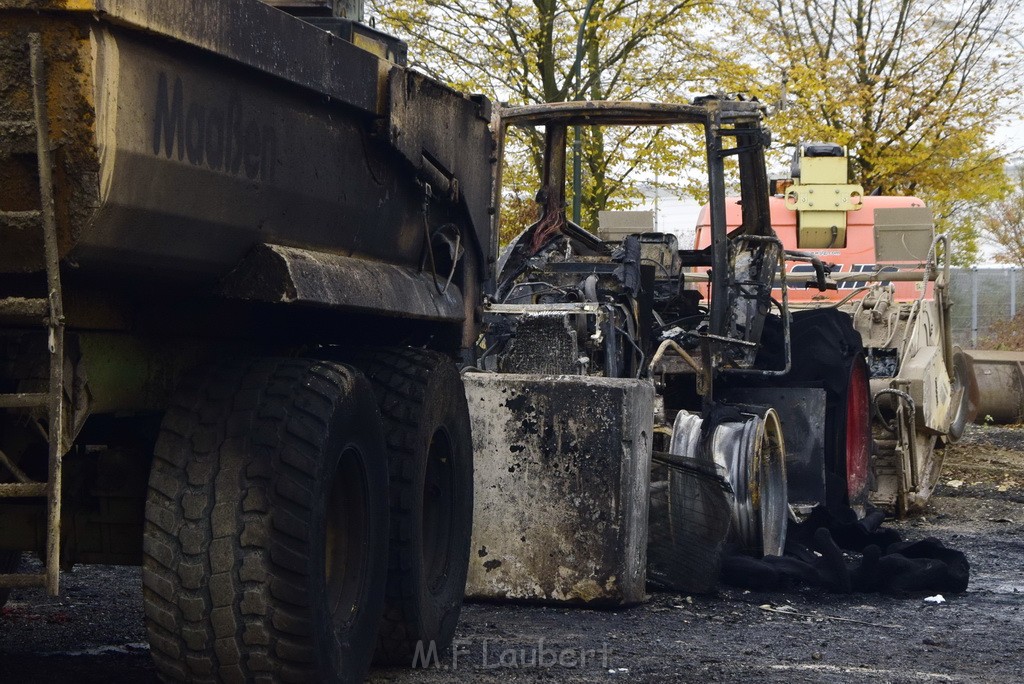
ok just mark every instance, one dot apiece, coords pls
pixel 888 280
pixel 241 257
pixel 623 397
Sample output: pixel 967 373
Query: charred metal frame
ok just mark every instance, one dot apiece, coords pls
pixel 708 344
pixel 721 119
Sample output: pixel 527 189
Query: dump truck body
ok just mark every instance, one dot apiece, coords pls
pixel 184 135
pixel 216 215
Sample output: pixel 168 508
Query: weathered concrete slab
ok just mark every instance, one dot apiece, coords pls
pixel 562 475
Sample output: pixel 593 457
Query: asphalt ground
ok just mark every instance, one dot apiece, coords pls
pixel 94 631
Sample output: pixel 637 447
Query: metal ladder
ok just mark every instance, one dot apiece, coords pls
pixel 48 312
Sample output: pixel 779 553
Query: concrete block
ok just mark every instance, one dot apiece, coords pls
pixel 562 471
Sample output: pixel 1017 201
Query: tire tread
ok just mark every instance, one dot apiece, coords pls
pixel 241 440
pixel 400 379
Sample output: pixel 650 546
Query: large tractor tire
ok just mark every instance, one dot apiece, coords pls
pixel 857 438
pixel 828 352
pixel 265 548
pixel 426 423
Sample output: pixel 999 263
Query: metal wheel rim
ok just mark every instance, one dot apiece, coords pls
pixel 773 506
pixel 439 490
pixel 347 538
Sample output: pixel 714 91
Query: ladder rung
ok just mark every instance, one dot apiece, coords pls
pixel 26 126
pixel 24 400
pixel 22 307
pixel 19 580
pixel 18 135
pixel 13 490
pixel 20 220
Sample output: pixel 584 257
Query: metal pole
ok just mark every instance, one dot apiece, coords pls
pixel 974 307
pixel 1013 291
pixel 577 143
pixel 55 411
pixel 577 173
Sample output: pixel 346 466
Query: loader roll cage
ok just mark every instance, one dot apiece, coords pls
pixel 743 264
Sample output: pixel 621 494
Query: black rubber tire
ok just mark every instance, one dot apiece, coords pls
pixel 426 423
pixel 828 347
pixel 825 345
pixel 266 473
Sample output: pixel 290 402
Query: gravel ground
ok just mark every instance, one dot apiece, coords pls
pixel 94 632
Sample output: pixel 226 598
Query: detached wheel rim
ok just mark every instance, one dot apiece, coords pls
pixel 438 509
pixel 347 521
pixel 773 488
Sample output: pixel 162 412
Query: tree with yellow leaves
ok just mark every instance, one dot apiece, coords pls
pixel 534 51
pixel 1003 222
pixel 914 88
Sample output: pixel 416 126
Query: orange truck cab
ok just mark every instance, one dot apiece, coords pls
pixel 818 213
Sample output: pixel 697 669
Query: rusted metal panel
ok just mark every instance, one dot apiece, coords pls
pixel 288 275
pixel 179 165
pixel 206 161
pixel 233 130
pixel 444 135
pixel 67 50
pixel 562 475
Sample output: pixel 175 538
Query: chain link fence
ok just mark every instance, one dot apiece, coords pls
pixel 981 297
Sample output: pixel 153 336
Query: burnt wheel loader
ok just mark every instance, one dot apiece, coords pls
pixel 241 258
pixel 641 380
pixel 888 280
pixel 749 379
